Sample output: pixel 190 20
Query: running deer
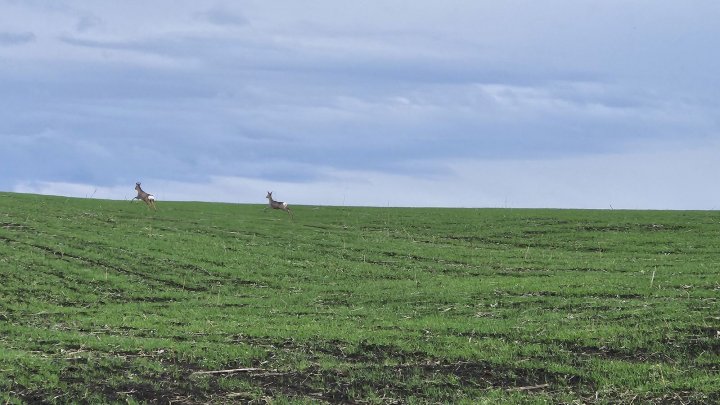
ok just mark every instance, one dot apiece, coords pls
pixel 278 205
pixel 149 199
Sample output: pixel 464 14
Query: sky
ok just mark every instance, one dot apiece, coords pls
pixel 608 104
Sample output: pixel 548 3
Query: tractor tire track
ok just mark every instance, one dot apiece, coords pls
pixel 69 257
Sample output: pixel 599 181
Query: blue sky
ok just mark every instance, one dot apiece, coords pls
pixel 559 103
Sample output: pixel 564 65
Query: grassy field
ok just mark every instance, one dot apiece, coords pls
pixel 107 301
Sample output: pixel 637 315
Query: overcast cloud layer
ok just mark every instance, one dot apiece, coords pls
pixel 586 104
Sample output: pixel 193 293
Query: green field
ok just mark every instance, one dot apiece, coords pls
pixel 108 301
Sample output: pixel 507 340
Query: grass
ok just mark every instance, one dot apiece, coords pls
pixel 107 301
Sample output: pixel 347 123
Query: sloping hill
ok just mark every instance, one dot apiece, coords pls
pixel 106 301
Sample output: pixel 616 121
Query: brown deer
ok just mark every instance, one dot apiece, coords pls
pixel 149 199
pixel 278 205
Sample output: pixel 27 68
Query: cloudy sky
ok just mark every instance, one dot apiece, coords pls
pixel 472 103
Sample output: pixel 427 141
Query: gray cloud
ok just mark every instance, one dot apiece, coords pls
pixel 16 38
pixel 87 22
pixel 222 16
